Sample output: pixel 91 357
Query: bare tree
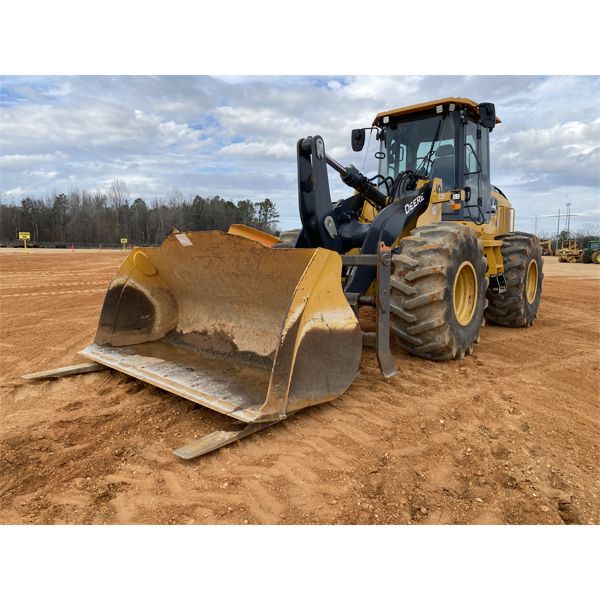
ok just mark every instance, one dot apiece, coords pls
pixel 589 230
pixel 175 197
pixel 118 196
pixel 586 233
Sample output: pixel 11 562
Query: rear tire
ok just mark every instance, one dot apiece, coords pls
pixel 596 257
pixel 518 306
pixel 438 287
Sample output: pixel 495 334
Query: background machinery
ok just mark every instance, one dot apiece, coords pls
pixel 591 252
pixel 547 248
pixel 258 327
pixel 568 251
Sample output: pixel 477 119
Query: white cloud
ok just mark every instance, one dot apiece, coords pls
pixel 62 89
pixel 561 153
pixel 20 161
pixel 259 150
pixel 42 173
pixel 236 136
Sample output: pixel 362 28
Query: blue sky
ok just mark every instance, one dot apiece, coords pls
pixel 235 136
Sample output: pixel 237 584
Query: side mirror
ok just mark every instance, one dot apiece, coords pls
pixel 358 139
pixel 487 115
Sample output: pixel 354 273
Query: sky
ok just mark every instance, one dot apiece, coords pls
pixel 236 136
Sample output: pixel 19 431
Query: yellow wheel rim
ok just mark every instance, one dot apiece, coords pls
pixel 464 296
pixel 532 281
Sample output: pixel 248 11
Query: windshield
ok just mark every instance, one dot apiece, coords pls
pixel 425 145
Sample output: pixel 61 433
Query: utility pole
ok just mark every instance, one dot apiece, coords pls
pixel 569 218
pixel 558 225
pixel 535 225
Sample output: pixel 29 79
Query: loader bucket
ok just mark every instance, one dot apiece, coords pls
pixel 246 330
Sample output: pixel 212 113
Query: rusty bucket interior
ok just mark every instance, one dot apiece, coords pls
pixel 249 331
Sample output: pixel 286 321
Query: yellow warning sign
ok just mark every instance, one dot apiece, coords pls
pixel 24 235
pixel 123 240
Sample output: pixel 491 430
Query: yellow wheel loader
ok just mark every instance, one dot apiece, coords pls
pixel 258 327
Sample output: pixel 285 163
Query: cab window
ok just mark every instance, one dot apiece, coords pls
pixel 477 176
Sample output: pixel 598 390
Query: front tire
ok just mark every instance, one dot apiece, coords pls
pixel 438 288
pixel 518 305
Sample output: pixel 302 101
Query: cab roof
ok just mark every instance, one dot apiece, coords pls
pixel 414 108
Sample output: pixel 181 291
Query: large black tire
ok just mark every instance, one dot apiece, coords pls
pixel 518 306
pixel 425 266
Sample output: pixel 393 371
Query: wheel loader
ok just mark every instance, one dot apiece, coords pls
pixel 258 327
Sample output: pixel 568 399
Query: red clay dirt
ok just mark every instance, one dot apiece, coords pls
pixel 508 435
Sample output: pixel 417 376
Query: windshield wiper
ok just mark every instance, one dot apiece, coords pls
pixel 423 168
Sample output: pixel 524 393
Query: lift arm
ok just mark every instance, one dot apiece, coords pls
pixel 336 226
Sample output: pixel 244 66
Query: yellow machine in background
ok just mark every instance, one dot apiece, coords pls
pixel 546 247
pixel 568 251
pixel 258 327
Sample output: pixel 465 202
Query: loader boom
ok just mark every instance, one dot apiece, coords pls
pixel 337 226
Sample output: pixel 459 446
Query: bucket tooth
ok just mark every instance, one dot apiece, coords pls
pixel 64 371
pixel 217 439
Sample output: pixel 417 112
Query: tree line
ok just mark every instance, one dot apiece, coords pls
pixel 103 218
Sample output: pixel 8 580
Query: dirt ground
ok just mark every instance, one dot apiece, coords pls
pixel 508 435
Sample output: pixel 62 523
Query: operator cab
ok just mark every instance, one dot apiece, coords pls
pixel 448 139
